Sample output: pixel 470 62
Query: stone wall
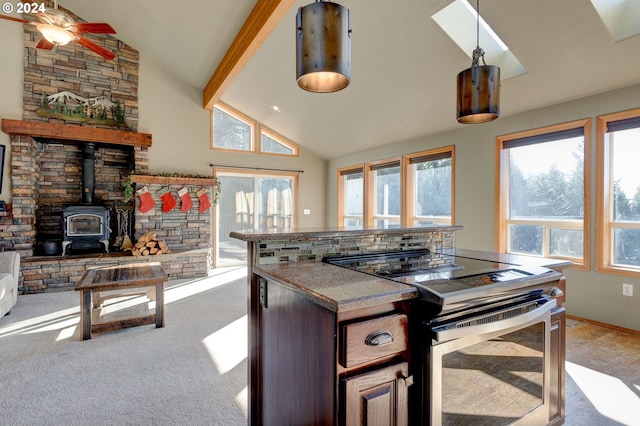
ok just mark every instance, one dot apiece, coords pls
pixel 45 176
pixel 46 275
pixel 78 70
pixel 180 230
pixel 59 168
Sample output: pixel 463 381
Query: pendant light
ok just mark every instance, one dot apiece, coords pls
pixel 323 47
pixel 478 87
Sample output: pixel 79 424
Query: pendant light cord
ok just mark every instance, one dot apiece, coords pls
pixel 478 52
pixel 477 24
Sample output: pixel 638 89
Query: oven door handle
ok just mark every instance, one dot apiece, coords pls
pixel 493 321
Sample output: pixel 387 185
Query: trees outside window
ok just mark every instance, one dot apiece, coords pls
pixel 430 187
pixel 234 131
pixel 618 196
pixel 541 186
pixel 412 190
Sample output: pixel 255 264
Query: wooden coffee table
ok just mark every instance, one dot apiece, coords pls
pixel 121 278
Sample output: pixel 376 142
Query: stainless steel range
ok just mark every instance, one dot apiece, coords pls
pixel 484 333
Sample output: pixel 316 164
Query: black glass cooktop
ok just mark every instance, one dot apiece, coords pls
pixel 440 274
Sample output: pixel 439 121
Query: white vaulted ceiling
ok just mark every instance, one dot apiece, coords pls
pixel 404 66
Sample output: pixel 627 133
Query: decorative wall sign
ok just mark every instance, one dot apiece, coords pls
pixel 69 106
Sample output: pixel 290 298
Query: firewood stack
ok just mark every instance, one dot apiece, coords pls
pixel 149 244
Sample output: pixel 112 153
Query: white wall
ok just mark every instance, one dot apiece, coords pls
pixel 11 82
pixel 590 295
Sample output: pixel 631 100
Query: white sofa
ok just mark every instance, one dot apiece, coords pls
pixel 9 272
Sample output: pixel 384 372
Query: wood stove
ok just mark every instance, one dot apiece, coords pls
pixel 85 229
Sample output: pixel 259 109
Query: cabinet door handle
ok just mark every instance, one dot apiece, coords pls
pixel 379 338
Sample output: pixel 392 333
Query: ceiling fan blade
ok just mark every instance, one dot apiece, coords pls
pixel 11 18
pixel 45 44
pixel 94 28
pixel 92 46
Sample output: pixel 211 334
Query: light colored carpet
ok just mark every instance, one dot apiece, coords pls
pixel 193 371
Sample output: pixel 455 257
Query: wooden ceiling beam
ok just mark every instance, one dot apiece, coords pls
pixel 264 17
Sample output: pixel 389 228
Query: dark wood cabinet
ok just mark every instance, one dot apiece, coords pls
pixel 377 397
pixel 294 361
pixel 314 366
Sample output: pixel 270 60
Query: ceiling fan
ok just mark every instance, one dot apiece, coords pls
pixel 58 28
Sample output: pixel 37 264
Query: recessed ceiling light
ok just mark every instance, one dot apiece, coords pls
pixel 276 108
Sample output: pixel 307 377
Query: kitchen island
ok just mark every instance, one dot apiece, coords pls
pixel 329 345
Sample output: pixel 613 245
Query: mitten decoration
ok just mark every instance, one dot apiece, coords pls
pixel 185 200
pixel 146 202
pixel 204 200
pixel 168 201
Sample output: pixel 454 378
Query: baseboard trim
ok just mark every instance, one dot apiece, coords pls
pixel 604 324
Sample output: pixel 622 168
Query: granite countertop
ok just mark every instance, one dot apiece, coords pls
pixel 337 289
pixel 330 232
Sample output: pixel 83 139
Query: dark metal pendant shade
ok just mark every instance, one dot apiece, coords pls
pixel 478 87
pixel 323 47
pixel 479 95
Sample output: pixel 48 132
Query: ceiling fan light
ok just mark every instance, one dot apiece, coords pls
pixel 479 97
pixel 56 35
pixel 323 47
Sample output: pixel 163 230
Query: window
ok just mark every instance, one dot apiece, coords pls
pixel 351 197
pixel 232 130
pixel 541 192
pixel 430 187
pixel 618 196
pixel 385 196
pixel 272 143
pixel 412 190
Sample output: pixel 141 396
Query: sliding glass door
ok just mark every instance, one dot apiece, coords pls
pixel 251 201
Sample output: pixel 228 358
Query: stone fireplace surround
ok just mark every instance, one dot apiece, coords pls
pixel 46 168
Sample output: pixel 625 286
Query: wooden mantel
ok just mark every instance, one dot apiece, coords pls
pixel 41 129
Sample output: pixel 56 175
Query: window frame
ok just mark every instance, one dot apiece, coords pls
pixel 257 130
pixel 370 190
pixel 407 188
pixel 238 116
pixel 410 190
pixel 278 138
pixel 604 198
pixel 344 171
pixel 502 221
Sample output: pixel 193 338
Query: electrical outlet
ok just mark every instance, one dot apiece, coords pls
pixel 627 290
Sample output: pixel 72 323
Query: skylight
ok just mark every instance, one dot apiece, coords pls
pixel 621 17
pixel 458 21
